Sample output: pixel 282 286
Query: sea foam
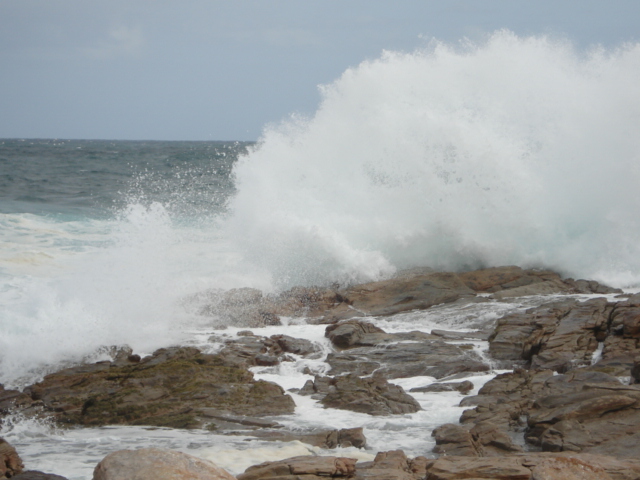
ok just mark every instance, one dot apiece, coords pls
pixel 514 151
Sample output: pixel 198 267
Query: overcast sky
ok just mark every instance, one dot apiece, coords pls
pixel 221 70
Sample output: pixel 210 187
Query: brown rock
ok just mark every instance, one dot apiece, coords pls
pixel 305 466
pixel 426 355
pixel 157 464
pixel 10 399
pixel 580 411
pixel 405 293
pixel 346 437
pixel 393 465
pixel 454 440
pixel 454 468
pixel 462 387
pixel 352 437
pixel 298 346
pixel 635 371
pixel 37 475
pixel 373 395
pixel 568 469
pixel 485 439
pixel 166 389
pixel 350 333
pixel 10 462
pixel 494 279
pixel 558 336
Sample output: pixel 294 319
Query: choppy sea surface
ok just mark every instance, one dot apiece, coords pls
pixel 514 151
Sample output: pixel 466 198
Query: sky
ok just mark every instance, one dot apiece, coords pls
pixel 223 69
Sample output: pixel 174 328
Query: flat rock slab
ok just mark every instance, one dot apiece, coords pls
pixel 165 389
pixel 305 466
pixel 427 356
pixel 395 465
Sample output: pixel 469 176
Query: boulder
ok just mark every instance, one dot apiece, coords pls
pixel 10 462
pixel 372 395
pixel 297 346
pixel 250 350
pixel 352 333
pixel 13 399
pixel 169 388
pixel 455 440
pixel 393 465
pixel 559 336
pixel 485 439
pixel 157 464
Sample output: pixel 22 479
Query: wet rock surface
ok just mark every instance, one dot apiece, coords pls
pixel 581 411
pixel 372 395
pixel 175 387
pixel 345 437
pixel 10 461
pixel 511 281
pixel 403 355
pixel 37 475
pixel 253 350
pixel 157 464
pixel 301 467
pixel 395 465
pixel 574 394
pixel 462 387
pixel 408 290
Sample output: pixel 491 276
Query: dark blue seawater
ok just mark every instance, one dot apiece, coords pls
pixel 94 178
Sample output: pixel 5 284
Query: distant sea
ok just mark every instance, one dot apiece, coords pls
pixel 96 235
pixel 77 179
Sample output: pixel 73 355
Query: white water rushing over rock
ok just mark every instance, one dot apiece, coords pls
pixel 75 452
pixel 516 151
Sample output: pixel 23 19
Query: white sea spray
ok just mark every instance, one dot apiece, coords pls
pixel 513 151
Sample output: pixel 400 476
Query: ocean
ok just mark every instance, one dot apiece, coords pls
pixel 516 151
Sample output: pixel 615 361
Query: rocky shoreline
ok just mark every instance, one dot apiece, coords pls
pixel 569 407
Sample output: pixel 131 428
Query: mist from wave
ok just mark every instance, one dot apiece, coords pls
pixel 514 151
